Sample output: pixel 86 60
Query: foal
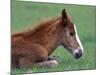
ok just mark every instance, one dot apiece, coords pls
pixel 34 46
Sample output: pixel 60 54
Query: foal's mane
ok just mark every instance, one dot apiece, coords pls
pixel 39 27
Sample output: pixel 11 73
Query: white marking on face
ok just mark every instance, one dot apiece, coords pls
pixel 76 50
pixel 78 40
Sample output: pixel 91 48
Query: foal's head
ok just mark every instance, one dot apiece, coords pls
pixel 70 40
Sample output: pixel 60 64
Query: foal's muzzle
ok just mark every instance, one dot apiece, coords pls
pixel 78 54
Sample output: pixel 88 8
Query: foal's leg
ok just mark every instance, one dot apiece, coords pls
pixel 25 62
pixel 32 55
pixel 50 63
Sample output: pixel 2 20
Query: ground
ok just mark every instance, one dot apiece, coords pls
pixel 25 15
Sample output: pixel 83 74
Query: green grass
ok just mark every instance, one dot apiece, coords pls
pixel 26 14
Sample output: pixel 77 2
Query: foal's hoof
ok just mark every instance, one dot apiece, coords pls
pixel 53 58
pixel 52 63
pixel 49 64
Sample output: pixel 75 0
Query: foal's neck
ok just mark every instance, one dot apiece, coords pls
pixel 52 37
pixel 48 37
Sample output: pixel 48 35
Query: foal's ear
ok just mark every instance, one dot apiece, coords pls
pixel 64 17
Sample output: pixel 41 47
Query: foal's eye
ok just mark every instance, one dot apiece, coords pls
pixel 71 33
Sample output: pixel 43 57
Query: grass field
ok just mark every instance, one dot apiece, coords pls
pixel 26 14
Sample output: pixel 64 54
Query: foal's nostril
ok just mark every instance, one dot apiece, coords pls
pixel 79 54
pixel 80 51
